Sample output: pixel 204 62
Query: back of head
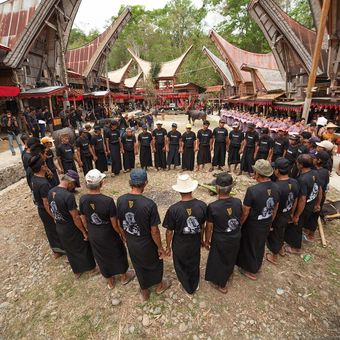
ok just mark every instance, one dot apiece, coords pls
pixel 36 162
pixel 305 160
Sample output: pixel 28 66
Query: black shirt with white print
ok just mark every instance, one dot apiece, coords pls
pixel 309 187
pixel 289 191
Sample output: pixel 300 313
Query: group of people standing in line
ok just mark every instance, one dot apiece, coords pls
pixel 280 211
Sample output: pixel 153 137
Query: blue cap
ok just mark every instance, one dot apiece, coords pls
pixel 138 176
pixel 73 175
pixel 144 126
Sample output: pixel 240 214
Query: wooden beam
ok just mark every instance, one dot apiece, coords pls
pixel 316 58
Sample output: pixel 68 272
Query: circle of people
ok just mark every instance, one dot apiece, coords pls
pixel 279 212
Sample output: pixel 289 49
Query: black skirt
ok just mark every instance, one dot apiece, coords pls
pixel 186 253
pixel 219 154
pixel 87 164
pixel 312 224
pixel 51 231
pixel 173 155
pixel 160 156
pixel 252 246
pixel 108 250
pixel 54 180
pixel 145 157
pixel 247 160
pixel 128 160
pixel 277 234
pixel 144 257
pixel 115 158
pixel 188 159
pixel 204 154
pixel 222 257
pixel 233 154
pixel 101 162
pixel 78 251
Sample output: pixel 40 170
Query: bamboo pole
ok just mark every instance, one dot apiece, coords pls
pixel 321 232
pixel 316 58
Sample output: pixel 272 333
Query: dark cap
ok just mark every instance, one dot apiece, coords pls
pixel 144 126
pixel 138 176
pixel 71 175
pixel 97 128
pixel 206 122
pixel 222 121
pixel 113 123
pixel 224 180
pixel 281 163
pixel 32 141
pixel 294 137
pixel 174 125
pixel 322 155
pixel 314 140
pixel 265 131
pixel 81 131
pixel 251 126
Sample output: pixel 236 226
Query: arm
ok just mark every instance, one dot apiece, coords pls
pixel 275 211
pixel 211 143
pixel 153 142
pixel 294 208
pixel 107 146
pixel 270 154
pixel 256 150
pixel 299 209
pixel 318 199
pixel 245 214
pixel 169 235
pixel 93 152
pixel 60 164
pixel 83 220
pixel 77 157
pixel 136 148
pixel 116 226
pixel 47 206
pixel 78 223
pixel 156 236
pixel 243 144
pixel 208 233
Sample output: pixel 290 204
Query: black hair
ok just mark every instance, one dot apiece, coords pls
pixel 32 141
pixel 24 137
pixel 35 163
pixel 283 171
pixel 37 149
pixel 306 135
pixel 305 160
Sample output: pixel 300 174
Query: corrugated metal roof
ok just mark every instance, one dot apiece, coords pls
pixel 132 82
pixel 236 57
pixel 118 76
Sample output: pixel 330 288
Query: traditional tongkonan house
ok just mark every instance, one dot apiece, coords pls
pixel 33 39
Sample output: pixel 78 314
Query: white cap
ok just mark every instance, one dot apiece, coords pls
pixel 326 144
pixel 159 122
pixel 185 184
pixel 94 176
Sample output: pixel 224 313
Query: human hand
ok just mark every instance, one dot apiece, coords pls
pixel 161 253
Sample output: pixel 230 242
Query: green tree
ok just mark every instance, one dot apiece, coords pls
pixel 79 38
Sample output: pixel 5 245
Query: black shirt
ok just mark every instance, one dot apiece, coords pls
pixel 236 138
pixel 289 190
pixel 98 209
pixel 145 138
pixel 40 188
pixel 280 145
pixel 188 138
pixel 25 159
pixel 302 149
pixel 186 217
pixel 225 214
pixel 309 187
pixel 174 137
pixel 292 153
pixel 220 135
pixel 65 152
pixel 159 135
pixel 12 129
pixel 113 136
pixel 61 203
pixel 323 178
pixel 137 214
pixel 98 143
pixel 84 145
pixel 251 139
pixel 204 136
pixel 128 142
pixel 265 144
pixel 49 160
pixel 262 198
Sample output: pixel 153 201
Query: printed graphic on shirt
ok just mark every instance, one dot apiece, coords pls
pixel 314 193
pixel 55 212
pixel 289 203
pixel 130 225
pixel 192 226
pixel 233 224
pixel 267 211
pixel 95 219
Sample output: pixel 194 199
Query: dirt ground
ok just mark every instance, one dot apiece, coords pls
pixel 40 299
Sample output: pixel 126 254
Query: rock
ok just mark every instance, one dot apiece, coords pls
pixel 280 291
pixel 203 305
pixel 131 329
pixel 157 310
pixel 115 302
pixel 5 304
pixel 325 323
pixel 252 322
pixel 182 327
pixel 301 309
pixel 145 320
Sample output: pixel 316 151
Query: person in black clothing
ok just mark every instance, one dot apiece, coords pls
pixel 260 205
pixel 159 146
pixel 51 163
pixel 172 147
pixel 222 234
pixel 308 201
pixel 66 155
pixel 292 153
pixel 281 144
pixel 187 149
pixel 48 119
pixel 99 149
pixel 204 144
pixel 321 165
pixel 42 123
pixel 10 125
pixel 27 155
pixel 40 188
pixel 289 190
pixel 184 222
pixel 69 226
pixel 113 145
pixel 129 150
pixel 133 123
pixel 99 216
pixel 145 141
pixel 220 141
pixel 84 152
pixel 33 123
pixel 138 216
pixel 235 141
pixel 122 124
pixel 264 148
pixel 248 147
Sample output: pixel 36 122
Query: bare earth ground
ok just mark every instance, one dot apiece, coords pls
pixel 39 298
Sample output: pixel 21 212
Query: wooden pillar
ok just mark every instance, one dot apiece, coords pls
pixel 316 58
pixel 50 106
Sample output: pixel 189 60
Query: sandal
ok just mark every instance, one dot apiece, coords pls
pixel 220 289
pixel 291 250
pixel 129 277
pixel 282 252
pixel 269 258
pixel 166 285
pixel 247 274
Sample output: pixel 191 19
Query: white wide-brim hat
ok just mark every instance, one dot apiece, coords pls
pixel 185 184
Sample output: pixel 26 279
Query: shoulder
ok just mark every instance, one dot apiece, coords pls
pixel 201 204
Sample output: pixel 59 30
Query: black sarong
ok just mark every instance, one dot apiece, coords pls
pixel 78 251
pixel 186 253
pixel 54 180
pixel 234 154
pixel 252 246
pixel 51 231
pixel 87 164
pixel 108 250
pixel 101 162
pixel 70 165
pixel 173 155
pixel 261 155
pixel 247 160
pixel 144 257
pixel 115 158
pixel 219 154
pixel 145 157
pixel 277 234
pixel 204 154
pixel 312 223
pixel 160 156
pixel 128 160
pixel 222 257
pixel 188 159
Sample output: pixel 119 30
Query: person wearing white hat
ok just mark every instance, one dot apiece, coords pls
pixel 184 222
pixel 187 149
pixel 329 134
pixel 99 216
pixel 235 141
pixel 159 138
